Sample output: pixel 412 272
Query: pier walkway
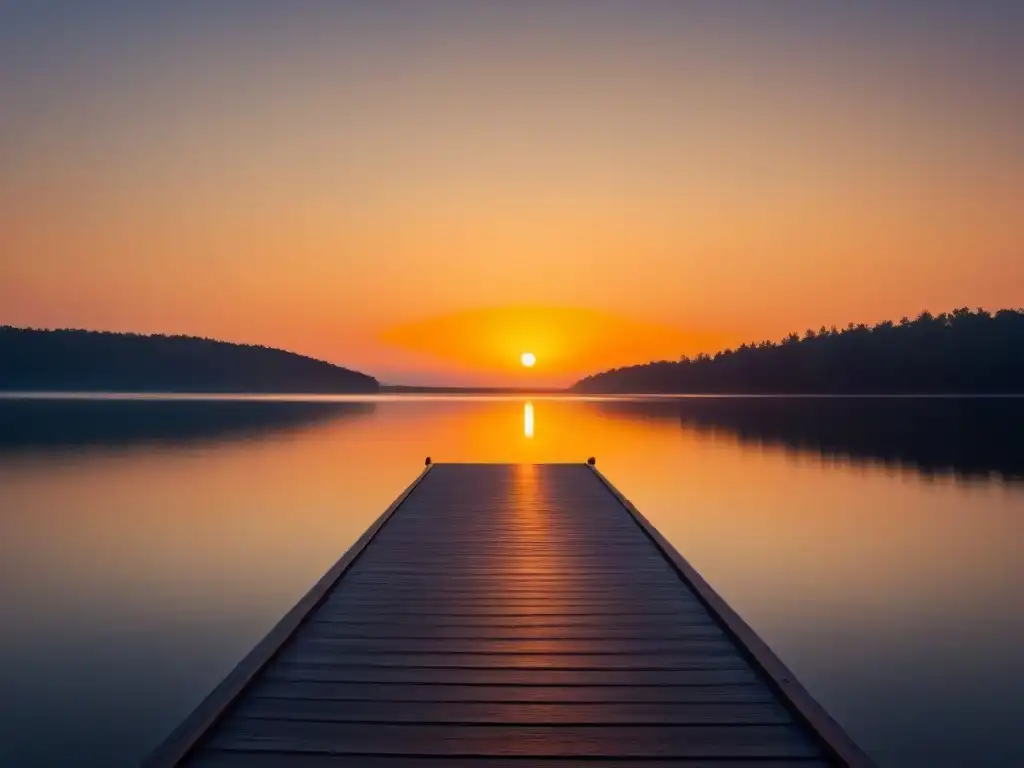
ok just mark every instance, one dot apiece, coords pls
pixel 510 615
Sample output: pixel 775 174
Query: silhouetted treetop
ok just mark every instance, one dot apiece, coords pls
pixel 953 352
pixel 72 360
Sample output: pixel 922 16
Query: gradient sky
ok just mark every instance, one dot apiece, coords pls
pixel 423 190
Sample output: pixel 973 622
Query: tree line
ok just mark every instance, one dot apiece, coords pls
pixel 74 360
pixel 962 351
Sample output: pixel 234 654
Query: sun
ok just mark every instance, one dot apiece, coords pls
pixel 528 359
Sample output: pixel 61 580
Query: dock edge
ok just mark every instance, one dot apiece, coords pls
pixel 831 736
pixel 187 735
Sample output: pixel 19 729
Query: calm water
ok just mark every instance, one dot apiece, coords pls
pixel 876 544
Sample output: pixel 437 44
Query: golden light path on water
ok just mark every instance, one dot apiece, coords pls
pixel 528 419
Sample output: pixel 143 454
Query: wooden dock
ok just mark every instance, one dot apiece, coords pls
pixel 510 615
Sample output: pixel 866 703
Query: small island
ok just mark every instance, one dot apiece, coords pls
pixel 958 352
pixel 91 361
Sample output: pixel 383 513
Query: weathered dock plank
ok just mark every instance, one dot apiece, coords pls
pixel 502 613
pixel 513 694
pixel 465 740
pixel 228 759
pixel 511 713
pixel 532 677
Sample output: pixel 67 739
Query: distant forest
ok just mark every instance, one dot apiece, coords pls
pixel 956 352
pixel 89 361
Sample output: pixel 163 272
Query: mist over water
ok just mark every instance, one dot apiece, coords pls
pixel 875 543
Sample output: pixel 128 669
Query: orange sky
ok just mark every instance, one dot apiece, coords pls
pixel 419 190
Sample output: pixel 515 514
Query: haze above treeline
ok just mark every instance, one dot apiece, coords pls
pixel 958 352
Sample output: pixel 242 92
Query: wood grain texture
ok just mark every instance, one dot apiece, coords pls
pixel 720 742
pixel 514 713
pixel 646 625
pixel 513 694
pixel 522 676
pixel 510 615
pixel 512 610
pixel 510 631
pixel 568 662
pixel 513 640
pixel 214 758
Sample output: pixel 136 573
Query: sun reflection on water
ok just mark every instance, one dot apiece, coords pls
pixel 528 419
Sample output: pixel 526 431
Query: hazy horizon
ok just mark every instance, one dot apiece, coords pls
pixel 994 339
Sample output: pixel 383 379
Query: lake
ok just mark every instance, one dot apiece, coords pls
pixel 877 544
